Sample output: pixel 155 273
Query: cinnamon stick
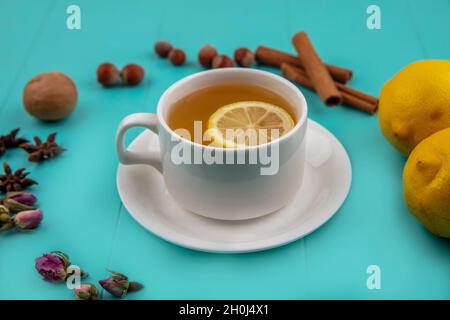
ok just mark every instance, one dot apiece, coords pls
pixel 364 96
pixel 274 58
pixel 316 70
pixel 351 97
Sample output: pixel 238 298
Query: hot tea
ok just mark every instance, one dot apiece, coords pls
pixel 231 106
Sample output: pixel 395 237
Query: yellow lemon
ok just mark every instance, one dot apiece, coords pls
pixel 415 103
pixel 426 183
pixel 248 123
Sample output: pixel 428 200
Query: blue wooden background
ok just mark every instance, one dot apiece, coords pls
pixel 83 213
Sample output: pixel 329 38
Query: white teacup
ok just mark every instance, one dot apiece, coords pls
pixel 221 190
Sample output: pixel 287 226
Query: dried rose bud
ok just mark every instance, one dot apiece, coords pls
pixel 22 197
pixel 53 266
pixel 7 226
pixel 5 219
pixel 4 210
pixel 118 285
pixel 19 201
pixel 86 292
pixel 28 220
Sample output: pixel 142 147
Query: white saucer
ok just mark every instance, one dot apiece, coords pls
pixel 326 184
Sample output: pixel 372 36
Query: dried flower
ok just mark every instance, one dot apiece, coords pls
pixel 16 181
pixel 22 197
pixel 53 266
pixel 5 219
pixel 19 201
pixel 28 220
pixel 4 210
pixel 86 291
pixel 6 226
pixel 4 215
pixel 118 284
pixel 41 151
pixel 9 141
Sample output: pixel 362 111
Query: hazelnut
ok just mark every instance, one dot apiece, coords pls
pixel 222 61
pixel 206 55
pixel 50 96
pixel 132 74
pixel 177 57
pixel 108 75
pixel 162 48
pixel 244 57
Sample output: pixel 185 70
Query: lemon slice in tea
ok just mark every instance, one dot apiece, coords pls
pixel 239 124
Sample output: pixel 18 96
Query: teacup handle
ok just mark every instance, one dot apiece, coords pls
pixel 146 120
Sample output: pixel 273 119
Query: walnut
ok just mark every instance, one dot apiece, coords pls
pixel 50 96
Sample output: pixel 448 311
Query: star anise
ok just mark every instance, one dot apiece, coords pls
pixel 16 181
pixel 41 151
pixel 10 140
